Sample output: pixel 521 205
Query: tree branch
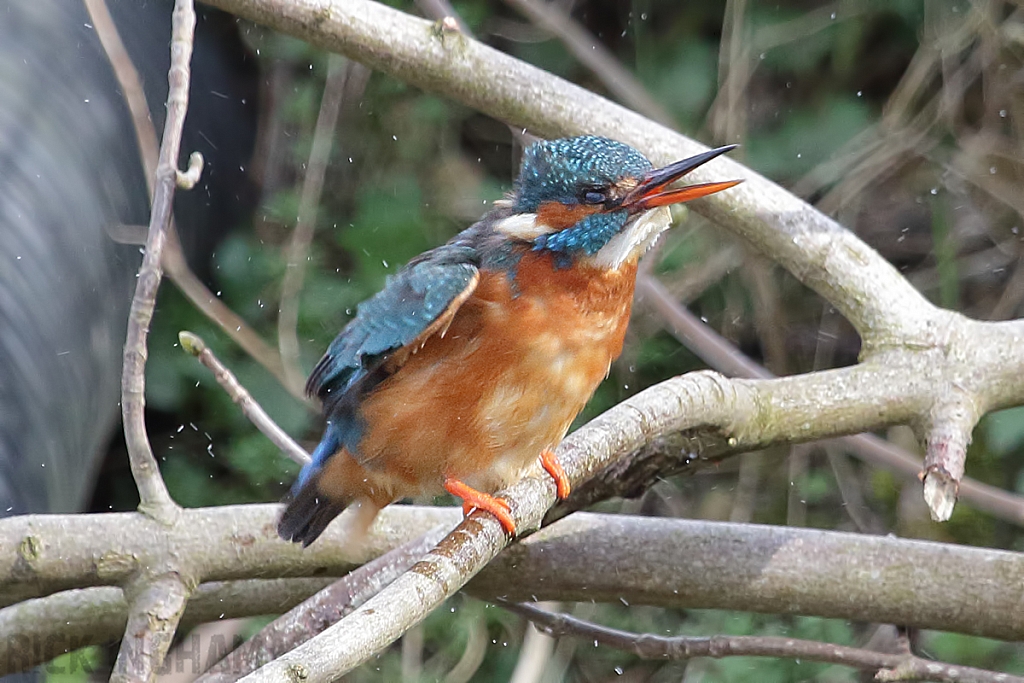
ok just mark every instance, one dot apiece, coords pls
pixel 305 223
pixel 879 302
pixel 194 345
pixel 947 434
pixel 36 631
pixel 62 552
pixel 889 667
pixel 153 617
pixel 154 498
pixel 172 258
pixel 890 315
pixel 692 564
pixel 157 599
pixel 592 54
pixel 718 353
pixel 685 564
pixel 321 610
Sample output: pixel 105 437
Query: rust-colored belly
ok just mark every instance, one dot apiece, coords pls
pixel 505 382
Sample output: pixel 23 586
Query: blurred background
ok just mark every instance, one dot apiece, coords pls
pixel 903 119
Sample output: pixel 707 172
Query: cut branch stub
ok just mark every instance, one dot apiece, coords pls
pixel 947 436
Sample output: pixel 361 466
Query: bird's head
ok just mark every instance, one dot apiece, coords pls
pixel 596 199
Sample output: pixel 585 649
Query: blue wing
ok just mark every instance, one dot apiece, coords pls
pixel 417 302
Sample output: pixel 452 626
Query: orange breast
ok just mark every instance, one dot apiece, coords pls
pixel 503 383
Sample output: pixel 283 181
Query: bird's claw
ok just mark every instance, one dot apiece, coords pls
pixel 478 500
pixel 549 461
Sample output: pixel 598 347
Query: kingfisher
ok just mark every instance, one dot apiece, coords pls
pixel 470 365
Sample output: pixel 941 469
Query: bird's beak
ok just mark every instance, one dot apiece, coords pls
pixel 651 192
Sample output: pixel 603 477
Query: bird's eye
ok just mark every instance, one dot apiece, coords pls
pixel 594 196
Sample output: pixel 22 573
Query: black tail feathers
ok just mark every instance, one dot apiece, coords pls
pixel 307 514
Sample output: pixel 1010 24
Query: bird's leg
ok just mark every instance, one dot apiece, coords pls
pixel 549 461
pixel 478 500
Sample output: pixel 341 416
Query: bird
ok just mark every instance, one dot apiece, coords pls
pixel 469 366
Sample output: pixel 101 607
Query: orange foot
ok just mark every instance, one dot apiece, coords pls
pixel 477 500
pixel 550 462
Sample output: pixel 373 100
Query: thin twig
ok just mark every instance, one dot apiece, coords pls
pixel 193 344
pixel 298 249
pixel 131 86
pixel 217 311
pixel 173 260
pixel 729 110
pixel 153 495
pixel 889 667
pixel 592 54
pixel 534 654
pixel 474 654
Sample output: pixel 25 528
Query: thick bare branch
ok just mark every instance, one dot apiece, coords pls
pixel 61 552
pixel 38 630
pixel 670 562
pixel 718 353
pixel 693 564
pixel 321 610
pixel 888 667
pixel 746 412
pixel 153 618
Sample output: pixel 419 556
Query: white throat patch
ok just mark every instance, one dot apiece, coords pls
pixel 634 240
pixel 522 226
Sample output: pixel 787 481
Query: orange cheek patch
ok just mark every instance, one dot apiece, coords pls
pixel 559 216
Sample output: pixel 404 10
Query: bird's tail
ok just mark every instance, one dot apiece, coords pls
pixel 308 511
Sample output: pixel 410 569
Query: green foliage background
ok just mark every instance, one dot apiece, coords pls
pixel 409 170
